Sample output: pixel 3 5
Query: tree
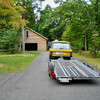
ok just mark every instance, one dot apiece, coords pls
pixel 95 44
pixel 77 22
pixel 56 23
pixel 10 39
pixel 10 24
pixel 94 12
pixel 10 14
pixel 43 17
pixel 33 9
pixel 59 1
pixel 29 12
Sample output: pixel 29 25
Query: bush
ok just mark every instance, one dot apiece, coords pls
pixel 9 40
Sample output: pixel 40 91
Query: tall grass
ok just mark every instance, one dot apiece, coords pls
pixel 90 58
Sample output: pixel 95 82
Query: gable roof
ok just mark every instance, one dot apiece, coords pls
pixel 36 33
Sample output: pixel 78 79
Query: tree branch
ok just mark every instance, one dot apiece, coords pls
pixel 92 2
pixel 87 8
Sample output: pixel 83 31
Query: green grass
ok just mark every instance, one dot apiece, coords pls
pixel 18 52
pixel 90 59
pixel 17 62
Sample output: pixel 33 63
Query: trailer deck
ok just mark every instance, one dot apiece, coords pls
pixel 73 69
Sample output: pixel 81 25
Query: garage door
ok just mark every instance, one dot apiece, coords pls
pixel 31 46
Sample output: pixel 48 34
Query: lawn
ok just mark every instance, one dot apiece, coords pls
pixel 90 59
pixel 12 63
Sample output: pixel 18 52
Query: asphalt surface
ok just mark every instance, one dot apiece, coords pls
pixel 35 84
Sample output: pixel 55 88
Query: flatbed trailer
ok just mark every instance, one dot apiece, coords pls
pixel 66 70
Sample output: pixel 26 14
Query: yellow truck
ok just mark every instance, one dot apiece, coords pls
pixel 60 49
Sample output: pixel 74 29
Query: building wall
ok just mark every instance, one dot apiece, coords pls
pixel 35 38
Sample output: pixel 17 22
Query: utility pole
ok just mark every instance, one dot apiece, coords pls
pixel 23 39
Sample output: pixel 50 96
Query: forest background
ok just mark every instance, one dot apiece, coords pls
pixel 76 21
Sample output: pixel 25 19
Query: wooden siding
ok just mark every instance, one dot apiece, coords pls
pixel 35 38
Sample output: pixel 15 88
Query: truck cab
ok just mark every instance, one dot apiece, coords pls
pixel 60 49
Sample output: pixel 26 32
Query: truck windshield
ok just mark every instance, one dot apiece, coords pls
pixel 61 46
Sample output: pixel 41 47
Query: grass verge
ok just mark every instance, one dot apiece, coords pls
pixel 12 63
pixel 90 59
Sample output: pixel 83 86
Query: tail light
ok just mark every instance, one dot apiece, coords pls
pixel 53 74
pixel 70 53
pixel 50 52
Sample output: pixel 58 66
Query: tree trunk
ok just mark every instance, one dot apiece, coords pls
pixel 96 14
pixel 23 40
pixel 19 48
pixel 85 45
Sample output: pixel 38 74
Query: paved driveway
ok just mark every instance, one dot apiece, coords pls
pixel 34 84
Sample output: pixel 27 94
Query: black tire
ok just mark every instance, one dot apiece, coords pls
pixel 67 58
pixel 49 74
pixel 50 57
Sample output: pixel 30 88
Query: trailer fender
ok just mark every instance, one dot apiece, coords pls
pixel 88 65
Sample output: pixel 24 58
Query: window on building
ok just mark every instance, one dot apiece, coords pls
pixel 27 34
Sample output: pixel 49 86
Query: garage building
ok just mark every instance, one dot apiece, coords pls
pixel 34 41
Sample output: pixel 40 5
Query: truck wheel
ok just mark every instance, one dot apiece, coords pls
pixel 50 58
pixel 67 58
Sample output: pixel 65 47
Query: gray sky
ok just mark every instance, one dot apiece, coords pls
pixel 50 2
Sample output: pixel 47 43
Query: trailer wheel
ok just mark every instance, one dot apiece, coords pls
pixel 49 73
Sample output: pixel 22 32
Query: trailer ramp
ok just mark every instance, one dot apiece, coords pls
pixel 73 69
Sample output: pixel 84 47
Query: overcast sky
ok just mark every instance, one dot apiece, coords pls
pixel 50 2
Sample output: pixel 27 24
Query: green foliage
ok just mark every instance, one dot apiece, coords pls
pixel 59 1
pixel 10 15
pixel 95 44
pixel 42 22
pixel 9 40
pixel 55 23
pixel 74 27
pixel 29 12
pixel 81 26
